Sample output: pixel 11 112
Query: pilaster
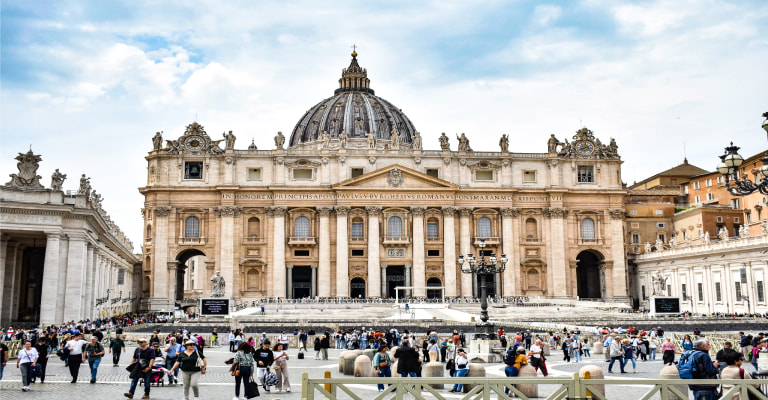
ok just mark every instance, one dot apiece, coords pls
pixel 278 251
pixel 557 242
pixel 160 258
pixel 449 252
pixel 510 287
pixel 76 265
pixel 227 214
pixel 342 252
pixel 419 269
pixel 464 247
pixel 374 270
pixel 324 259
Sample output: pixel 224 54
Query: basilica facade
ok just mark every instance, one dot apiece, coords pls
pixel 350 204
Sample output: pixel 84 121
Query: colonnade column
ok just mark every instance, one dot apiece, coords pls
pixel 50 281
pixel 324 259
pixel 3 255
pixel 507 247
pixel 226 257
pixel 419 280
pixel 464 248
pixel 12 254
pixel 62 286
pixel 449 252
pixel 160 249
pixel 342 252
pixel 278 251
pixel 76 261
pixel 374 270
pixel 289 279
pixel 557 240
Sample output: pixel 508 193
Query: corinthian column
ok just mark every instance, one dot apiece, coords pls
pixel 557 250
pixel 324 263
pixel 449 252
pixel 278 251
pixel 374 270
pixel 227 215
pixel 507 247
pixel 160 268
pixel 419 270
pixel 342 252
pixel 50 281
pixel 464 247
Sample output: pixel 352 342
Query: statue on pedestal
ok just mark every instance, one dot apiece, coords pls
pixel 371 140
pixel 279 140
pixel 552 144
pixel 57 180
pixel 230 140
pixel 463 142
pixel 157 140
pixel 504 143
pixel 217 287
pixel 444 145
pixel 416 141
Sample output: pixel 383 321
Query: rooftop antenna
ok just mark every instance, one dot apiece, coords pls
pixel 685 153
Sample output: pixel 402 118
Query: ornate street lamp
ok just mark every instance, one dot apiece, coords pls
pixel 730 163
pixel 482 268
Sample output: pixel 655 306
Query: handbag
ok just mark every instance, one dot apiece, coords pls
pixel 270 379
pixel 235 369
pixel 199 362
pixel 251 389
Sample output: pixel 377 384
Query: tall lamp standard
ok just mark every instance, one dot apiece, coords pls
pixel 730 163
pixel 483 268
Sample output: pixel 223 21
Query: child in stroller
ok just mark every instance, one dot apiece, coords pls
pixel 158 373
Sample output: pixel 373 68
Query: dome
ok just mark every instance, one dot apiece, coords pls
pixel 354 110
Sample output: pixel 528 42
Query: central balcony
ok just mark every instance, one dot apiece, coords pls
pixel 185 241
pixel 254 240
pixel 302 241
pixel 395 240
pixel 489 241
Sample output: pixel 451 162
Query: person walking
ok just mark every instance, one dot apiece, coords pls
pixel 75 347
pixel 433 350
pixel 629 354
pixel 214 338
pixel 585 348
pixel 43 351
pixel 462 369
pixel 382 364
pixel 280 366
pixel 26 358
pixel 687 344
pixel 303 340
pixel 706 369
pixel 617 354
pixel 186 361
pixel 172 351
pixel 244 360
pixel 144 357
pixel 231 342
pixel 668 351
pixel 652 348
pixel 94 351
pixel 264 359
pixel 116 346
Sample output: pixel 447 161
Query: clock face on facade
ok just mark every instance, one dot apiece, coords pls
pixel 194 143
pixel 585 148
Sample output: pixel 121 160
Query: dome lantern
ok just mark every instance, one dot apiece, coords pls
pixel 354 78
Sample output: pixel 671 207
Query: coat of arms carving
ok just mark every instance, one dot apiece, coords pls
pixel 395 177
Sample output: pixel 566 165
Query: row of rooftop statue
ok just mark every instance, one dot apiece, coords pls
pixel 395 142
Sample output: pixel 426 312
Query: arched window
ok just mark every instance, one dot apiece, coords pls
pixel 484 227
pixel 254 227
pixel 587 228
pixel 531 230
pixel 301 227
pixel 192 227
pixel 395 227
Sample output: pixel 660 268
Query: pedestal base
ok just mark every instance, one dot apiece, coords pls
pixel 482 350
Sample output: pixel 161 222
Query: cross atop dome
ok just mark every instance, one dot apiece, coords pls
pixel 354 78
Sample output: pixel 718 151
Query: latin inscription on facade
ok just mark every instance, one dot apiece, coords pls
pixel 395 253
pixel 389 196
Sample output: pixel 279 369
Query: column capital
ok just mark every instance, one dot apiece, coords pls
pixel 172 264
pixel 555 212
pixel 465 211
pixel 276 211
pixel 53 235
pixel 418 211
pixel 448 211
pixel 617 213
pixel 311 266
pixel 341 211
pixel 227 211
pixel 510 212
pixel 324 211
pixel 289 266
pixel 373 210
pixel 163 211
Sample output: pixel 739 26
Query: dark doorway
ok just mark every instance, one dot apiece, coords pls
pixel 395 278
pixel 434 293
pixel 31 287
pixel 588 276
pixel 302 282
pixel 181 271
pixel 357 288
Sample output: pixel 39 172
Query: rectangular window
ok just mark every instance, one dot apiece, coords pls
pixel 697 185
pixel 710 196
pixel 433 172
pixel 357 230
pixel 586 174
pixel 635 238
pixel 696 199
pixel 662 238
pixel 254 174
pixel 735 204
pixel 683 291
pixel 301 253
pixel 719 219
pixel 632 212
pixel 720 179
pixel 193 170
pixel 642 291
pixel 709 182
pixel 700 287
pixel 302 173
pixel 483 175
pixel 659 212
pixel 760 292
pixel 661 225
pixel 735 220
pixel 718 292
pixel 358 253
pixel 737 291
pixel 357 172
pixel 121 276
pixel 433 253
pixel 685 189
pixel 669 290
pixel 432 230
pixel 529 176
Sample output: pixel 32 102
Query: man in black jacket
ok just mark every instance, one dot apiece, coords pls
pixel 263 358
pixel 325 343
pixel 408 360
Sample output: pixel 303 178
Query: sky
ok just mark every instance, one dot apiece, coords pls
pixel 86 84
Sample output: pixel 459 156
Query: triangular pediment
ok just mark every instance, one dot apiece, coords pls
pixel 395 177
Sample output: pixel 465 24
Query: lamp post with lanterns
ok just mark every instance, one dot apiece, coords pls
pixel 729 165
pixel 483 268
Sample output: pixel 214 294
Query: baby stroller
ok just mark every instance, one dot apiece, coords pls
pixel 157 374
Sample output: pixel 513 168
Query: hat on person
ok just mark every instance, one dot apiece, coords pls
pixel 188 342
pixel 764 340
pixel 142 340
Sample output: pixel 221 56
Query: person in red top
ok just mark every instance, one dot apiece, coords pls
pixel 456 338
pixel 500 332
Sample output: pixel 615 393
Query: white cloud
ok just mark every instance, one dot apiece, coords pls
pixel 546 14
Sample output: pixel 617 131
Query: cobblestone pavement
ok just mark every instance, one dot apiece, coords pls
pixel 218 384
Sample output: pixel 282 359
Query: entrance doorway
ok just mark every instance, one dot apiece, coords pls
pixel 588 281
pixel 182 268
pixel 357 288
pixel 434 293
pixel 302 282
pixel 395 278
pixel 33 259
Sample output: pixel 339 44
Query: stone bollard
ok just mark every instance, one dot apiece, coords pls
pixel 434 370
pixel 671 372
pixel 363 366
pixel 528 389
pixel 369 353
pixel 593 372
pixel 342 356
pixel 545 349
pixel 349 364
pixel 475 371
pixel 607 353
pixel 597 347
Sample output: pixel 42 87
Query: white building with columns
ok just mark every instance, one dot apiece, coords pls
pixel 353 206
pixel 61 256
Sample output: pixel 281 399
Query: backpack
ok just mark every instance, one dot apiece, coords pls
pixel 509 358
pixel 687 366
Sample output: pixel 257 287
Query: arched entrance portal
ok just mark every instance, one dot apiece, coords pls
pixel 197 279
pixel 588 279
pixel 357 288
pixel 434 293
